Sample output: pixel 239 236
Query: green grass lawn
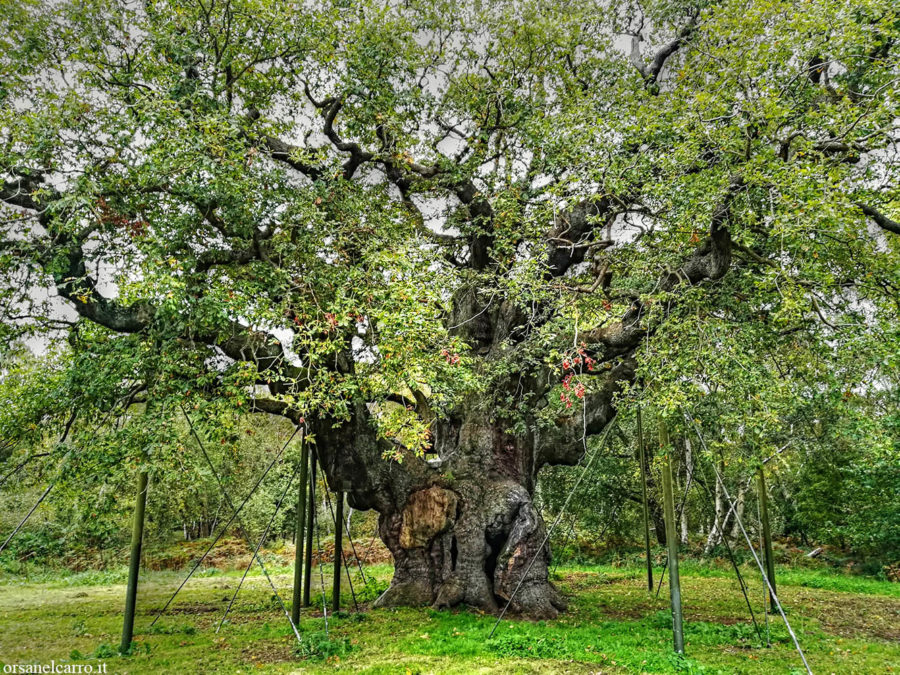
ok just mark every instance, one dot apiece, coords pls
pixel 845 625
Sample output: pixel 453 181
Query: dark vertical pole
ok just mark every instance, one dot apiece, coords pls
pixel 134 568
pixel 300 533
pixel 338 550
pixel 671 538
pixel 767 534
pixel 310 521
pixel 643 458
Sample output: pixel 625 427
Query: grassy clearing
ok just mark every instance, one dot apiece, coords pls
pixel 845 624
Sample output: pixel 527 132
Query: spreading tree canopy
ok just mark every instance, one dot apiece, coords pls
pixel 451 238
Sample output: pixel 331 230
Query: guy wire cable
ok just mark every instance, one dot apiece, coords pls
pixel 223 530
pixel 256 553
pixel 319 548
pixel 338 528
pixel 242 528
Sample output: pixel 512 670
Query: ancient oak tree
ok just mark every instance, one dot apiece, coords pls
pixel 443 236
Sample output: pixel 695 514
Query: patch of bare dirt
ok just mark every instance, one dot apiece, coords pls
pixel 852 615
pixel 262 652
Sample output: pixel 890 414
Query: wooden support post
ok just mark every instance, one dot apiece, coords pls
pixel 310 524
pixel 134 567
pixel 338 550
pixel 767 535
pixel 643 459
pixel 671 538
pixel 300 534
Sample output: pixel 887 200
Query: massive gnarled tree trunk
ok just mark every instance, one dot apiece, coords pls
pixel 461 524
pixel 462 527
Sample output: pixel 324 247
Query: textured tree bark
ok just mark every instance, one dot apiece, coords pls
pixel 462 528
pixel 739 512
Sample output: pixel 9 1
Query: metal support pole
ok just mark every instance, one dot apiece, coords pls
pixel 671 538
pixel 134 567
pixel 310 521
pixel 767 535
pixel 338 551
pixel 643 459
pixel 300 535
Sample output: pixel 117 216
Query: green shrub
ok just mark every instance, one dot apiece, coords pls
pixel 371 590
pixel 320 645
